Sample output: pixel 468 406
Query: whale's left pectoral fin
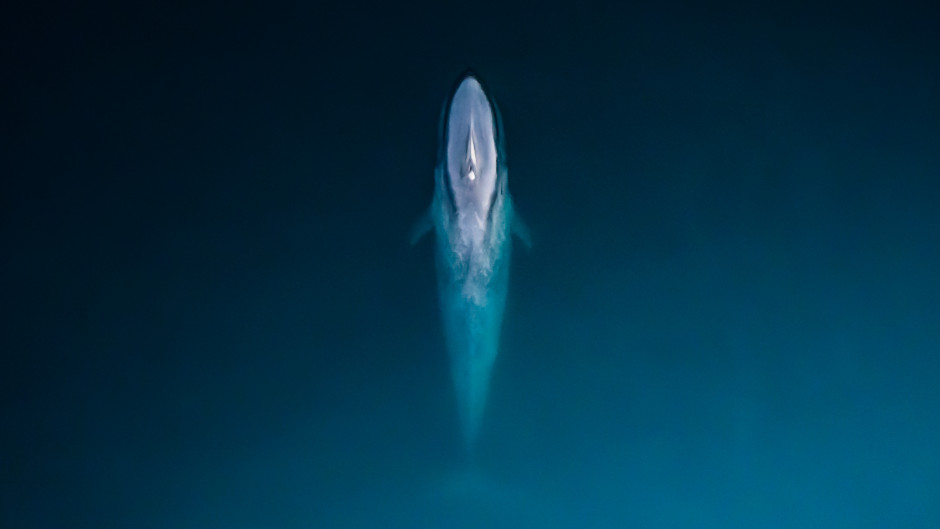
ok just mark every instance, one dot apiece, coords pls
pixel 421 227
pixel 521 230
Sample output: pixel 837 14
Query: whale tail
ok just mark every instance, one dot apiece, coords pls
pixel 471 411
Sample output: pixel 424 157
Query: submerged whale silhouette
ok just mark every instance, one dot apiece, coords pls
pixel 472 217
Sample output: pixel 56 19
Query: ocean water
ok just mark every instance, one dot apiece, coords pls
pixel 730 316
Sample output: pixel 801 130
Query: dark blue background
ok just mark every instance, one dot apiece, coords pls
pixel 730 318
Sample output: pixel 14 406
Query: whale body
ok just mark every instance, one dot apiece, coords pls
pixel 472 218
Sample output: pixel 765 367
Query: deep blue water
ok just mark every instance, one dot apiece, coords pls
pixel 730 317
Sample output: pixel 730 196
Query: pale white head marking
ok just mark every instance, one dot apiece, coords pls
pixel 471 150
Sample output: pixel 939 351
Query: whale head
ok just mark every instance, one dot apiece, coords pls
pixel 470 149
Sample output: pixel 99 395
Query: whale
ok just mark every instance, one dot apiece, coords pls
pixel 472 219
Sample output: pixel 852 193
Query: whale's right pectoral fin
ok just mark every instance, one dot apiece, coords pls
pixel 521 230
pixel 421 227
